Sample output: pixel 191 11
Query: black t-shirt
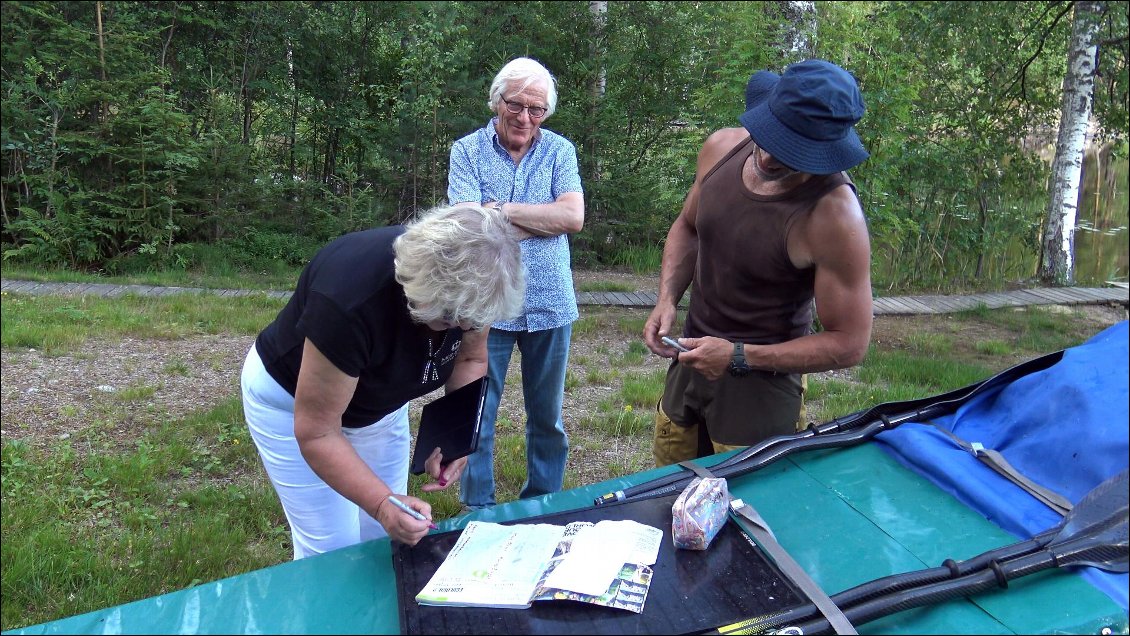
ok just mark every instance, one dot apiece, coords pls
pixel 348 303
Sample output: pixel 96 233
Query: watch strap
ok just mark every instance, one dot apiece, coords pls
pixel 738 366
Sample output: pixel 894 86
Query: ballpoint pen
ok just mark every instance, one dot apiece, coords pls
pixel 415 513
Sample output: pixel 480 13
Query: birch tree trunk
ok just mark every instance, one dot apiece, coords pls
pixel 798 26
pixel 599 11
pixel 1057 253
pixel 591 172
pixel 293 133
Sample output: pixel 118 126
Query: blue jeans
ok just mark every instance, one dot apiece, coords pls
pixel 545 356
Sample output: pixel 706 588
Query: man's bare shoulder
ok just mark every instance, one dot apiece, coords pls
pixel 718 144
pixel 839 205
pixel 834 227
pixel 726 138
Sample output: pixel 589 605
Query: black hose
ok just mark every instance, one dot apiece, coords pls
pixel 919 409
pixel 683 477
pixel 908 580
pixel 1074 551
pixel 1096 533
pixel 968 585
pixel 835 440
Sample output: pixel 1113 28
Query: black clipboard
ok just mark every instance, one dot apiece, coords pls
pixel 452 423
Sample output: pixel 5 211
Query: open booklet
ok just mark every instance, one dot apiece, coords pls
pixel 510 566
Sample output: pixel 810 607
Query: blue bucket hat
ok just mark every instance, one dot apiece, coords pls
pixel 805 117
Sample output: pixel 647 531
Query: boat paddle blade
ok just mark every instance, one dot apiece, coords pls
pixel 1095 532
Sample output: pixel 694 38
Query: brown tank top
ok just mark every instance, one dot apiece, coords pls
pixel 745 288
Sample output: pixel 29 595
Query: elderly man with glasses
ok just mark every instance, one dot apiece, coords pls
pixel 530 174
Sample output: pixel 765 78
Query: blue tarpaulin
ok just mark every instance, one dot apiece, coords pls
pixel 1065 428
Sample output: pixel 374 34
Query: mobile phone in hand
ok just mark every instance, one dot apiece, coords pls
pixel 671 342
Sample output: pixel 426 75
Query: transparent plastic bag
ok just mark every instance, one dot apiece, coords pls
pixel 699 512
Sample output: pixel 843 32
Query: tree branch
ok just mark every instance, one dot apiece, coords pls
pixel 1022 72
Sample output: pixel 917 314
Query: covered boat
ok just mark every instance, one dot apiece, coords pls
pixel 936 482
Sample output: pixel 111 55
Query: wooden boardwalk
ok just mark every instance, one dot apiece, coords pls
pixel 888 305
pixel 929 304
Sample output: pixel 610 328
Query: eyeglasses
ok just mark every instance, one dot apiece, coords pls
pixel 536 112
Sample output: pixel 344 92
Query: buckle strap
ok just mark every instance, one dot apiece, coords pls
pixel 755 526
pixel 995 460
pixel 701 471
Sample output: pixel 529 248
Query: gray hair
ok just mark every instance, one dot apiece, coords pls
pixel 520 73
pixel 461 263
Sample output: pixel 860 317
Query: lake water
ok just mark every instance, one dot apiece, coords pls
pixel 1102 248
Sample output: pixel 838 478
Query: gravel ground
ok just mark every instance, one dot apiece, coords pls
pixel 125 386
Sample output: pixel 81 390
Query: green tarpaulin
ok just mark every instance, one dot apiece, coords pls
pixel 847 516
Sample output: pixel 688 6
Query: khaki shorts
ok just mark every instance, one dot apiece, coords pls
pixel 725 414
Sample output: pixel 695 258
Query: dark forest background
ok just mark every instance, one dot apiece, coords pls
pixel 159 134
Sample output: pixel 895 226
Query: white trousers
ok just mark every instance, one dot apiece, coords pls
pixel 320 519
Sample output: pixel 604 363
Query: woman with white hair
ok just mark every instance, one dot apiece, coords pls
pixel 378 317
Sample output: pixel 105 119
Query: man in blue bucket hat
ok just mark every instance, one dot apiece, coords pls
pixel 771 223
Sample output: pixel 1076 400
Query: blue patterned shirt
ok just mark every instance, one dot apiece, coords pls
pixel 481 170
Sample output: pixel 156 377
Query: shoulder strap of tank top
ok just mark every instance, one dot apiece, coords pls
pixel 814 189
pixel 745 145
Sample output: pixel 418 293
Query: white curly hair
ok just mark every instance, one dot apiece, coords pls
pixel 461 264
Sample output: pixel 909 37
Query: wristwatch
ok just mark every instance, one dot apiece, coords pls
pixel 738 367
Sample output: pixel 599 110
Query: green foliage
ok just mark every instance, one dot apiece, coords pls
pixel 57 323
pixel 187 125
pixel 951 191
pixel 993 347
pixel 603 286
pixel 624 421
pixel 87 530
pixel 643 392
pixel 930 343
pixel 635 352
pixel 585 325
pixel 920 375
pixel 640 259
pixel 257 246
